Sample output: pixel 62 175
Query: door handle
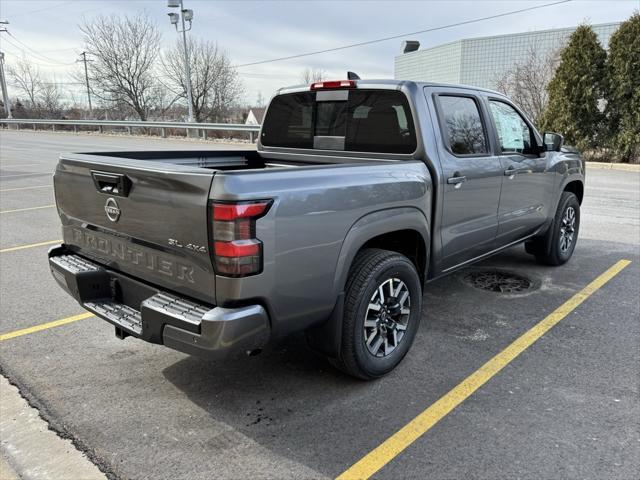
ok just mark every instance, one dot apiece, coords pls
pixel 111 183
pixel 457 179
pixel 516 171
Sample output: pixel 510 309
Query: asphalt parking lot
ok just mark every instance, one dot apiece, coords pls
pixel 567 407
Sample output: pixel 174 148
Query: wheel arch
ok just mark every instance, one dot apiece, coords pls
pixel 403 230
pixel 388 229
pixel 407 242
pixel 576 187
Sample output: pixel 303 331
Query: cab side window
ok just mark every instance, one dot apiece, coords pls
pixel 514 134
pixel 462 125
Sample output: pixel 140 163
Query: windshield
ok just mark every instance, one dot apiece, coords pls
pixel 351 120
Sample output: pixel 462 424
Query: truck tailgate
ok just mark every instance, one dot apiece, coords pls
pixel 147 219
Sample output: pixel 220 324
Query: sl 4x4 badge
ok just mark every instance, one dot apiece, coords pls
pixel 189 246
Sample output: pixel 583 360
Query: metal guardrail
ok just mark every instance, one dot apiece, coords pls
pixel 131 124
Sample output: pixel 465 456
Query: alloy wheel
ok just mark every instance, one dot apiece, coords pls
pixel 567 229
pixel 387 317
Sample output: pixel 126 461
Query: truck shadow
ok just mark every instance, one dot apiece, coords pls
pixel 289 399
pixel 285 399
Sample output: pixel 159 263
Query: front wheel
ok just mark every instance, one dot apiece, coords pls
pixel 382 312
pixel 561 239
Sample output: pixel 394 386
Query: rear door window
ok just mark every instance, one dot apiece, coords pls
pixel 364 121
pixel 462 125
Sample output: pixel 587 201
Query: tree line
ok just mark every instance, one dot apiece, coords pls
pixel 581 91
pixel 589 95
pixel 129 76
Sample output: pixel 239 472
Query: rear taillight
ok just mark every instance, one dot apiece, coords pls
pixel 237 252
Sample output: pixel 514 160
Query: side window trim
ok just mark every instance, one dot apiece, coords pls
pixel 441 123
pixel 532 131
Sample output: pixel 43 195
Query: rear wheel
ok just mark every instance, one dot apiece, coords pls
pixel 381 313
pixel 557 246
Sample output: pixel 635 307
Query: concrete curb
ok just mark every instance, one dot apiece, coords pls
pixel 6 470
pixel 629 167
pixel 29 450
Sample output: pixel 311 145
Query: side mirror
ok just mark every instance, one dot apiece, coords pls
pixel 553 141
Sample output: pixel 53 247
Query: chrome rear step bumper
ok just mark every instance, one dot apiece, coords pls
pixel 144 311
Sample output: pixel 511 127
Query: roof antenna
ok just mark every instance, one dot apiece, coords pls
pixel 353 76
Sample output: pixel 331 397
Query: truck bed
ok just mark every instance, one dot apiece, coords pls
pixel 147 213
pixel 208 159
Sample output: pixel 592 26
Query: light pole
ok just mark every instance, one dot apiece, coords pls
pixel 5 96
pixel 86 77
pixel 3 82
pixel 185 14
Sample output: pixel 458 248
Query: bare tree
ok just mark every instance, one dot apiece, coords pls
pixel 215 84
pixel 25 76
pixel 51 100
pixel 309 75
pixel 123 51
pixel 110 110
pixel 228 90
pixel 44 96
pixel 526 82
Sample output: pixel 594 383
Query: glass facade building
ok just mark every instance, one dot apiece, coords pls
pixel 483 61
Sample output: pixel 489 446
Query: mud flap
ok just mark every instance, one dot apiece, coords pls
pixel 326 338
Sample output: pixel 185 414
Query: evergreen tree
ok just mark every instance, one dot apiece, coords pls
pixel 576 90
pixel 623 96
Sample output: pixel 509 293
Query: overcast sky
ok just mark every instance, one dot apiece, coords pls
pixel 253 31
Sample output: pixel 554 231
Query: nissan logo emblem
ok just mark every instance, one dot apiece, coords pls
pixel 112 210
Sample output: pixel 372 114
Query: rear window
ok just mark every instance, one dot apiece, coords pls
pixel 351 120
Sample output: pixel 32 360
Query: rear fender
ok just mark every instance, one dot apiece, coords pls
pixel 327 337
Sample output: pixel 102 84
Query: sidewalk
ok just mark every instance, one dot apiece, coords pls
pixel 630 167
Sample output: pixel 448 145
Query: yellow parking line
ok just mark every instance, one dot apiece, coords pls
pixel 31 245
pixel 24 188
pixel 27 209
pixel 44 326
pixel 394 445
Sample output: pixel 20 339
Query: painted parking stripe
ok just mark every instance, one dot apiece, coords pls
pixel 44 326
pixel 24 188
pixel 30 245
pixel 16 165
pixel 394 445
pixel 27 209
pixel 26 174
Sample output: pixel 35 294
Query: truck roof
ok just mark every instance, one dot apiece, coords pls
pixel 388 83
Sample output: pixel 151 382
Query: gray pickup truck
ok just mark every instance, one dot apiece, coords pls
pixel 358 195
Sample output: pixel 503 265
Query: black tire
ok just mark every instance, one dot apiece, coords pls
pixel 555 248
pixel 371 269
